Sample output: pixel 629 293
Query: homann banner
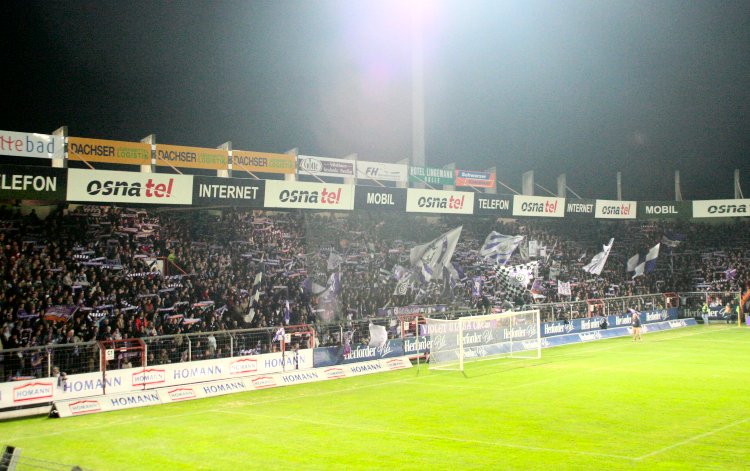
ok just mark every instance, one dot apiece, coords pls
pixel 580 208
pixel 32 183
pixel 664 209
pixel 475 179
pixel 491 205
pixel 615 209
pixel 115 152
pixel 431 176
pixel 539 206
pixel 324 166
pixel 380 198
pixel 325 196
pixel 101 186
pixel 381 171
pixel 228 191
pixel 419 200
pixel 263 162
pixel 192 157
pixel 721 208
pixel 23 144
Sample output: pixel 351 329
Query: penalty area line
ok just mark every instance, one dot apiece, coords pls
pixel 430 436
pixel 692 439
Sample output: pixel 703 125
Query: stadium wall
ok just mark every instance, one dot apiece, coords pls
pixel 125 381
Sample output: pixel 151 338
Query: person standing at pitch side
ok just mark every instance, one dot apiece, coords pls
pixel 635 321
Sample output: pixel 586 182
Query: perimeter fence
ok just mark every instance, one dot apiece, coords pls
pixel 54 360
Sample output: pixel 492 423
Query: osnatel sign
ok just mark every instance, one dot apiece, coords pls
pixel 721 208
pixel 325 196
pixel 615 209
pixel 115 152
pixel 100 186
pixel 539 206
pixel 437 201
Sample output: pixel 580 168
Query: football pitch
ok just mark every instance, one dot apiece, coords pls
pixel 679 399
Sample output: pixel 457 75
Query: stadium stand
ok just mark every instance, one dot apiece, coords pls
pixel 101 273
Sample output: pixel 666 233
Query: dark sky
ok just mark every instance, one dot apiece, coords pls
pixel 585 88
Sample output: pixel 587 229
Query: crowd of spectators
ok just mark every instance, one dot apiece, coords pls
pixel 94 273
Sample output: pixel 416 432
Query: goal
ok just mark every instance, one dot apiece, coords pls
pixel 514 334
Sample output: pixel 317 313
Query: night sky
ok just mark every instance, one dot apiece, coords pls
pixel 585 88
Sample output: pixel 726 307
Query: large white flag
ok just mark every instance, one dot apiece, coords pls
pixel 632 263
pixel 639 269
pixel 430 258
pixel 499 246
pixel 378 335
pixel 597 263
pixel 651 257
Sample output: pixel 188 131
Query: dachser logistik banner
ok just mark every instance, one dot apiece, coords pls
pixel 263 162
pixel 101 186
pixel 115 152
pixel 192 157
pixel 32 183
pixel 228 191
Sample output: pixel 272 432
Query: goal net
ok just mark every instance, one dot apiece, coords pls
pixel 454 342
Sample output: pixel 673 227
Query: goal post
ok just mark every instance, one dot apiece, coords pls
pixel 454 342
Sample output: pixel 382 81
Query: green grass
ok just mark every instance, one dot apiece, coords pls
pixel 677 400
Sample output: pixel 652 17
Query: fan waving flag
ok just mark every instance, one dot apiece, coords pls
pixel 515 279
pixel 632 263
pixel 651 257
pixel 430 258
pixel 499 247
pixel 378 336
pixel 596 265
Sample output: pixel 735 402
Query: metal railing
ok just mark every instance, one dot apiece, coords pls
pixel 48 360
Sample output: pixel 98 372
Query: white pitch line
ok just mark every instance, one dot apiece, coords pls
pixel 692 439
pixel 68 431
pixel 431 437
